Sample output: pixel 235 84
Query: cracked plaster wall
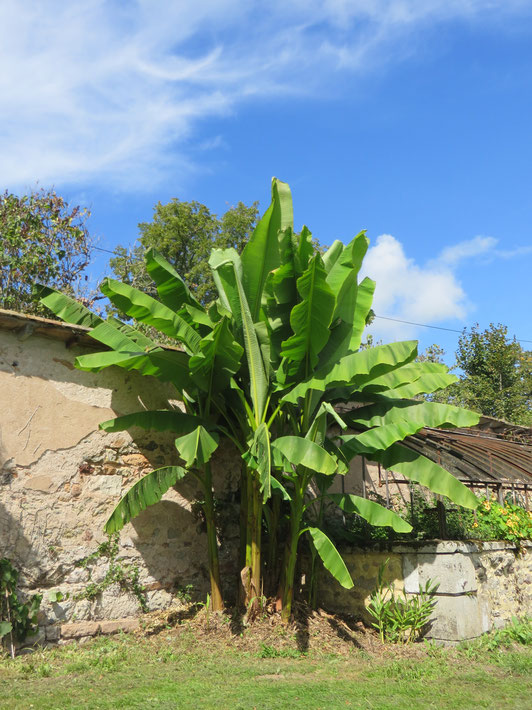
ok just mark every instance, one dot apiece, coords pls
pixel 60 478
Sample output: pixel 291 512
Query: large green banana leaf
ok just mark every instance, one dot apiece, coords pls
pixel 303 452
pixel 261 451
pixel 429 375
pixel 374 513
pixel 416 467
pixel 171 288
pixel 155 420
pixel 140 339
pixel 146 309
pixel 217 360
pixel 429 414
pixel 166 365
pixel 261 253
pixel 197 447
pixel 109 333
pixel 377 439
pixel 228 274
pixel 149 490
pixel 357 369
pixel 66 308
pixel 280 292
pixel 330 557
pixel 346 266
pixel 310 319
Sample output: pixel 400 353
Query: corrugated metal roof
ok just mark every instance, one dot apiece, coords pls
pixel 492 452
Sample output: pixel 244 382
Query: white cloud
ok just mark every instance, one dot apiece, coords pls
pixel 429 293
pixel 408 291
pixel 98 90
pixel 464 250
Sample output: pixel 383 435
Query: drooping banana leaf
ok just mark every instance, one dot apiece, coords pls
pixel 432 375
pixel 309 319
pixel 155 420
pixel 261 253
pixel 378 438
pixel 197 447
pixel 166 365
pixel 146 309
pixel 374 513
pixel 303 452
pixel 141 340
pixel 148 491
pixel 66 308
pixel 171 288
pixel 217 360
pixel 429 414
pixel 117 338
pixel 330 557
pixel 357 370
pixel 419 468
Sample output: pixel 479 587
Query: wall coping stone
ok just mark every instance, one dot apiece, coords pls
pixel 438 547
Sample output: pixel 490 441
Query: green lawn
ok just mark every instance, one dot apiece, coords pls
pixel 182 671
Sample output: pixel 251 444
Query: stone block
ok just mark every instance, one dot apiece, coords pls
pixel 80 629
pixel 113 627
pixel 457 618
pixel 454 572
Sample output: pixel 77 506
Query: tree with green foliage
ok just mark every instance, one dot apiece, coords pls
pixel 42 239
pixel 265 366
pixel 185 233
pixel 496 375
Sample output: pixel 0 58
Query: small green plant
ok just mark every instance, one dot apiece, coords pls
pixel 127 576
pixel 184 594
pixel 17 619
pixel 400 618
pixel 272 652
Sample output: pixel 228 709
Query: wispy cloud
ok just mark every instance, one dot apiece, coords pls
pixel 465 250
pixel 107 91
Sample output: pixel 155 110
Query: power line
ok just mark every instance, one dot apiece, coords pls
pixel 396 320
pixel 435 327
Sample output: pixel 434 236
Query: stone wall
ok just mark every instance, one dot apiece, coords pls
pixel 60 478
pixel 482 584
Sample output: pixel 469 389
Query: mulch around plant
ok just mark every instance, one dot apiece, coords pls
pixel 314 632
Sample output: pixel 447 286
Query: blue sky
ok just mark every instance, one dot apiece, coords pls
pixel 411 118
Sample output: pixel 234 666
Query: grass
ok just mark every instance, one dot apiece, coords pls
pixel 182 670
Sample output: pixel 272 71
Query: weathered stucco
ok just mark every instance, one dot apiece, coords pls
pixel 60 478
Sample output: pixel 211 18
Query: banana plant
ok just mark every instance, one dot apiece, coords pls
pixel 266 366
pixel 300 318
pixel 200 369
